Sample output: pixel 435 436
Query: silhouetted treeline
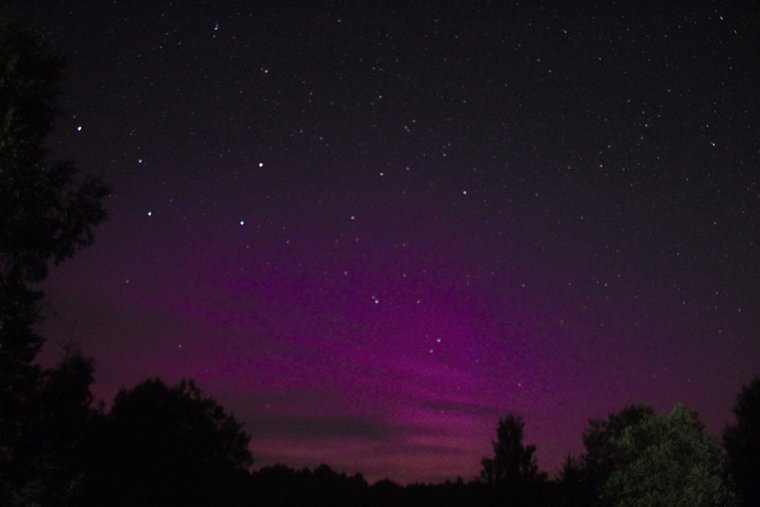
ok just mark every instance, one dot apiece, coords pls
pixel 633 457
pixel 163 445
pixel 280 485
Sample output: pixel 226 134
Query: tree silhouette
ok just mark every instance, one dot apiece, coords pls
pixel 46 214
pixel 280 485
pixel 512 474
pixel 574 487
pixel 163 445
pixel 668 460
pixel 47 467
pixel 582 478
pixel 512 462
pixel 742 441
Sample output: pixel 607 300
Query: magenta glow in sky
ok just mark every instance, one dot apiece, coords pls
pixel 370 233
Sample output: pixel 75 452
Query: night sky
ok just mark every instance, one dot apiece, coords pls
pixel 370 229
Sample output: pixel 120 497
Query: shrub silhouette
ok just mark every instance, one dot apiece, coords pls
pixel 169 446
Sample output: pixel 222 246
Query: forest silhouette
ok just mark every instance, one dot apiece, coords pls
pixel 164 445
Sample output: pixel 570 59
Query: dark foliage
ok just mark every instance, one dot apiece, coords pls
pixel 280 485
pixel 46 214
pixel 163 445
pixel 512 475
pixel 448 494
pixel 283 486
pixel 742 442
pixel 669 460
pixel 581 479
pixel 51 448
pixel 574 485
pixel 637 456
pixel 513 463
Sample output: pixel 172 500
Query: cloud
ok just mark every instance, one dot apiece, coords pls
pixel 461 407
pixel 317 427
pixel 431 449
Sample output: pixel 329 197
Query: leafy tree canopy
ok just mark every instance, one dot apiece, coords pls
pixel 668 460
pixel 601 456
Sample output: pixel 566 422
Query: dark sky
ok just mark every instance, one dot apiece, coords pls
pixel 372 228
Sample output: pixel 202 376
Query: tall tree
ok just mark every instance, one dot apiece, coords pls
pixel 601 457
pixel 582 478
pixel 513 462
pixel 512 476
pixel 668 460
pixel 742 441
pixel 46 214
